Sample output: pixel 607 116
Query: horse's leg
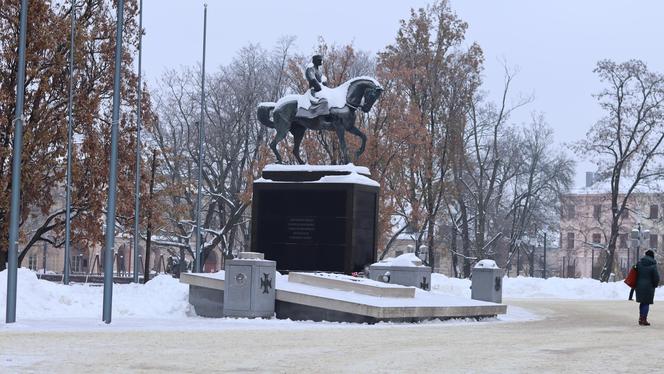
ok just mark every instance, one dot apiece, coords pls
pixel 341 134
pixel 298 133
pixel 282 126
pixel 355 131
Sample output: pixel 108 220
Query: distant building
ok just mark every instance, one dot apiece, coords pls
pixel 585 225
pixel 89 259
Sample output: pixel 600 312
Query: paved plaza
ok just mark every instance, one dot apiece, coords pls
pixel 571 336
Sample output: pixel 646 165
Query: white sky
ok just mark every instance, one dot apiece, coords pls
pixel 554 44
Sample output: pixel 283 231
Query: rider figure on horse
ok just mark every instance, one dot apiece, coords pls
pixel 314 75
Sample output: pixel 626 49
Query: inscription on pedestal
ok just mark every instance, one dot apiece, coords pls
pixel 300 228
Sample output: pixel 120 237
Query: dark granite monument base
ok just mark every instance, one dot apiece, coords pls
pixel 299 312
pixel 315 219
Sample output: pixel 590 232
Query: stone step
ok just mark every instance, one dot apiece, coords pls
pixel 353 284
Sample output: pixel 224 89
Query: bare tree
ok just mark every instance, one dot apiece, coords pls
pixel 626 144
pixel 435 76
pixel 542 175
pixel 233 150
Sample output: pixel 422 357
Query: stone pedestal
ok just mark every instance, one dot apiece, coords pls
pixel 315 218
pixel 486 282
pixel 406 270
pixel 419 277
pixel 249 287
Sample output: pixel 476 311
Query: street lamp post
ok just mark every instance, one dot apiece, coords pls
pixel 628 250
pixel 637 236
pixel 636 241
pixel 592 262
pixel 44 258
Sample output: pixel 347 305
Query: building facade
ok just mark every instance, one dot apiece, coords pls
pixel 585 227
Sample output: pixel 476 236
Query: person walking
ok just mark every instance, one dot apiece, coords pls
pixel 646 282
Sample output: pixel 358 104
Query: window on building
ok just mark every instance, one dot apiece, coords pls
pixel 570 240
pixel 597 238
pixel 571 211
pixel 623 241
pixel 653 241
pixel 597 211
pixel 32 262
pixel 76 264
pixel 654 211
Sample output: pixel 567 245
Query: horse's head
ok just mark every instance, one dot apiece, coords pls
pixel 371 95
pixel 363 93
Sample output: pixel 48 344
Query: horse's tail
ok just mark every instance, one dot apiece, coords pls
pixel 263 114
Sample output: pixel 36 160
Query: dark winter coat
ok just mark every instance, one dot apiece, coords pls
pixel 647 280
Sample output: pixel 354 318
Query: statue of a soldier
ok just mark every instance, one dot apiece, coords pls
pixel 313 74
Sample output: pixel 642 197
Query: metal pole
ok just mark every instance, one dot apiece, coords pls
pixel 112 178
pixel 44 258
pixel 201 130
pixel 628 263
pixel 592 263
pixel 70 125
pixel 638 244
pixel 544 268
pixel 137 198
pixel 12 258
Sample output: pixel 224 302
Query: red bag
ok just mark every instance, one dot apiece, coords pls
pixel 631 277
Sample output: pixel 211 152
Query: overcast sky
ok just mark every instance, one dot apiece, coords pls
pixel 554 45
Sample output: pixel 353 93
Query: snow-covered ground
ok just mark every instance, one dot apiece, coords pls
pixel 161 304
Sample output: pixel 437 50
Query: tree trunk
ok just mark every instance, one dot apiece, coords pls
pixel 613 236
pixel 148 234
pixel 430 241
pixel 465 240
pixel 453 247
pixel 610 253
pixel 531 262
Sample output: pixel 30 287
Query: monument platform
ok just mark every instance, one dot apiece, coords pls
pixel 342 298
pixel 315 218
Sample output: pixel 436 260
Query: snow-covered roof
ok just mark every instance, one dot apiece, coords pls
pixel 604 186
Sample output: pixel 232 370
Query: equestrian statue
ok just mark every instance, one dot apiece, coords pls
pixel 320 108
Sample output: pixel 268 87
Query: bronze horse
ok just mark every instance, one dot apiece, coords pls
pixel 361 93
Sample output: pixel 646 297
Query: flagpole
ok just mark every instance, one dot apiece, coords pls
pixel 112 179
pixel 201 156
pixel 137 198
pixel 12 258
pixel 70 125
